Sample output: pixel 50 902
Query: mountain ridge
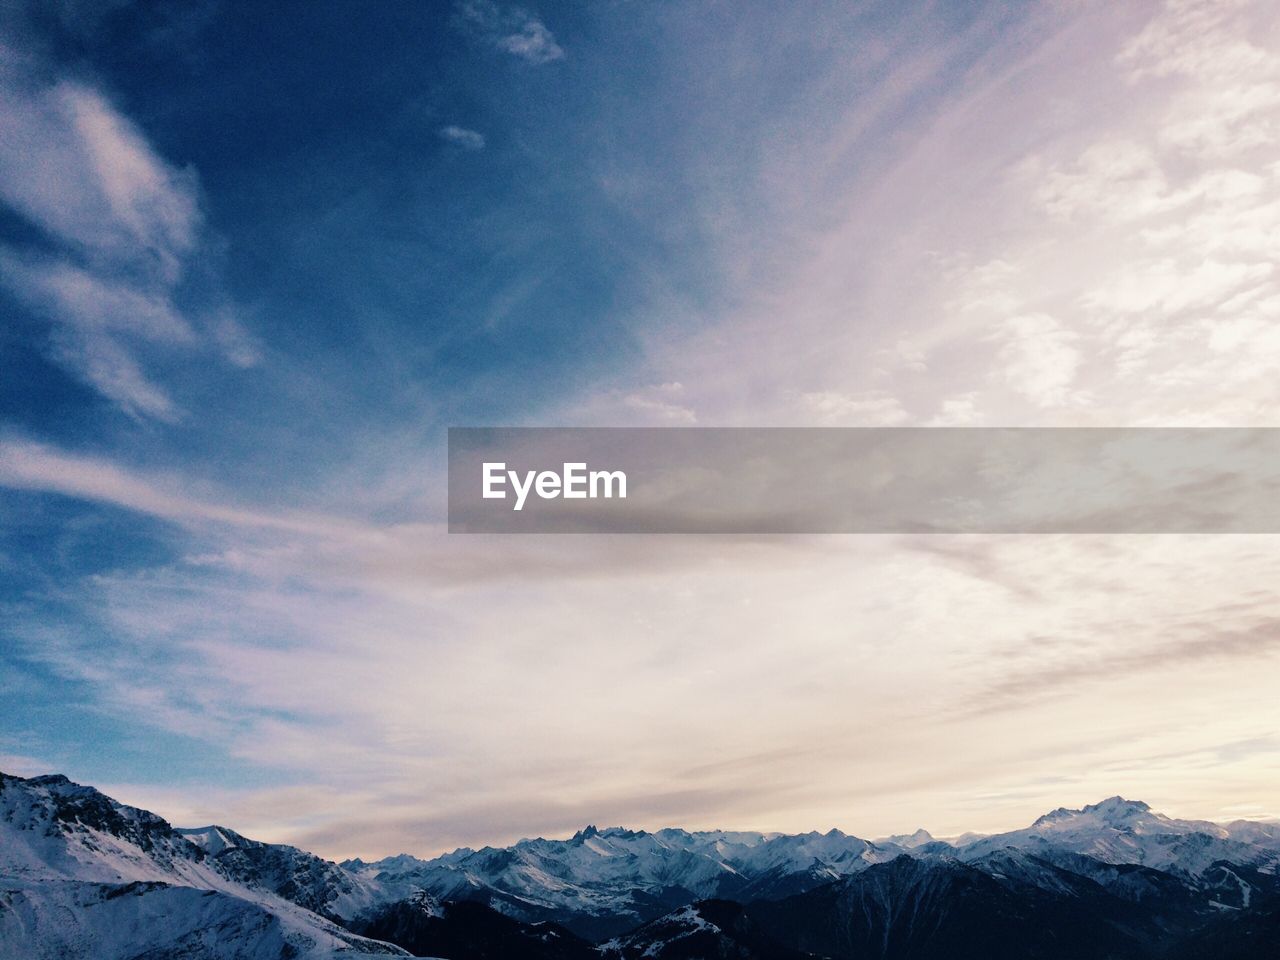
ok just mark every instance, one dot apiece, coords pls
pixel 1147 880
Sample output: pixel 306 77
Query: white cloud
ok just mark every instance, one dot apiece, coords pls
pixel 33 466
pixel 1149 243
pixel 958 411
pixel 1039 358
pixel 268 638
pixel 107 366
pixel 154 203
pixel 533 42
pixel 462 137
pixel 1224 58
pixel 275 662
pixel 125 228
pixel 511 29
pixel 1116 180
pixel 833 408
pixel 660 403
pixel 973 275
pixel 94 302
pixel 82 173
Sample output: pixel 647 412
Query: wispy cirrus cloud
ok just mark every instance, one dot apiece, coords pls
pixel 266 632
pixel 948 214
pixel 1069 663
pixel 96 317
pixel 86 176
pixel 121 229
pixel 1109 258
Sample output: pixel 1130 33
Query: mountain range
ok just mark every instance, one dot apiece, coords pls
pixel 83 876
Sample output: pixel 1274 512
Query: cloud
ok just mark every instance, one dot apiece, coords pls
pixel 1039 358
pixel 95 318
pixel 832 408
pixel 462 137
pixel 868 247
pixel 20 765
pixel 31 466
pixel 265 634
pixel 95 303
pixel 82 173
pixel 958 411
pixel 512 29
pixel 1203 642
pixel 122 230
pixel 1107 258
pixel 660 403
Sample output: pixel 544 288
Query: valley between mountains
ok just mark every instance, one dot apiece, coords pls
pixel 83 876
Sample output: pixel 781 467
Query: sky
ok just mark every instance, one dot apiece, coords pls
pixel 256 258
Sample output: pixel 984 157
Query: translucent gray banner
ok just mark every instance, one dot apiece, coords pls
pixel 875 480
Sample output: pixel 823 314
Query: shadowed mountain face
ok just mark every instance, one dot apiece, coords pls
pixel 710 928
pixel 82 876
pixel 1008 907
pixel 468 931
pixel 947 909
pixel 600 883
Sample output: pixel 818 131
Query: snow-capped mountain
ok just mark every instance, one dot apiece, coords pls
pixel 602 881
pixel 84 876
pixel 908 841
pixel 1007 905
pixel 599 881
pixel 300 877
pixel 1128 831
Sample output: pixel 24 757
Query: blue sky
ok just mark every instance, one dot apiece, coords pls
pixel 255 258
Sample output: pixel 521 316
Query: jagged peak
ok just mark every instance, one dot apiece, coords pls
pixel 214 839
pixel 911 841
pixel 225 831
pixel 1111 808
pixel 621 833
pixel 1054 816
pixel 1118 803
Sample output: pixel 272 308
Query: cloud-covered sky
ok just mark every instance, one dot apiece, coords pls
pixel 255 258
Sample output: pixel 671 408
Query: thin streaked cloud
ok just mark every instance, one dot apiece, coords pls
pixel 229 578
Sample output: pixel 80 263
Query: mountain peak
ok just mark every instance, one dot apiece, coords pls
pixel 910 841
pixel 608 833
pixel 1114 811
pixel 212 839
pixel 1118 804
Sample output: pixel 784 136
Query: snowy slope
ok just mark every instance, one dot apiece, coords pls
pixel 627 876
pixel 300 877
pixel 84 876
pixel 64 919
pixel 1128 831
